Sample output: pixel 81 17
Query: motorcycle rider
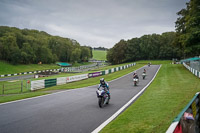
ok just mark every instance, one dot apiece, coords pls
pixel 135 76
pixel 144 71
pixel 104 84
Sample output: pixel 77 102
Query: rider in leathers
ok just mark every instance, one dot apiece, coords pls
pixel 104 85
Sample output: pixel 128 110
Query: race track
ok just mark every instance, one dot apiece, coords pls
pixel 72 111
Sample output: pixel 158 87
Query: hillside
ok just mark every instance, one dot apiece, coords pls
pixel 99 54
pixel 25 46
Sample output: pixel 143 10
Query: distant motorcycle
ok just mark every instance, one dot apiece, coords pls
pixel 135 81
pixel 143 75
pixel 102 96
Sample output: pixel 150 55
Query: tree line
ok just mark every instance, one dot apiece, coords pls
pixel 100 48
pixel 147 47
pixel 24 46
pixel 183 43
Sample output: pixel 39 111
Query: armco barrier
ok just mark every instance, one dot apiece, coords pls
pixel 50 82
pixel 39 84
pixel 180 125
pixel 195 72
pixel 61 80
pixel 95 74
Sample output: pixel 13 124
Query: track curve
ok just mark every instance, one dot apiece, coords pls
pixel 72 111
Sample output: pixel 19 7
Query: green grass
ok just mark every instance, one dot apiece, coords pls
pixel 155 62
pixel 8 98
pixel 154 110
pixel 6 68
pixel 73 85
pixel 99 54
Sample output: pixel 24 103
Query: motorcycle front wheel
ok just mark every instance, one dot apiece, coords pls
pixel 101 101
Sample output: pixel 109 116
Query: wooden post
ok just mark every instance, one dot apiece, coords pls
pixel 21 86
pixel 3 89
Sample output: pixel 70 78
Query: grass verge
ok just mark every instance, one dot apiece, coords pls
pixel 13 97
pixel 154 110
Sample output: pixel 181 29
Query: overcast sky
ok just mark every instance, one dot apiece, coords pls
pixel 92 22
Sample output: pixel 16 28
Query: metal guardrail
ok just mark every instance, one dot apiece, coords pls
pixel 194 71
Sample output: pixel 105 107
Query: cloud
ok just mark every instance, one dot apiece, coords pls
pixel 92 22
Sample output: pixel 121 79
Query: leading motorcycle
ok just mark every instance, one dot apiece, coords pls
pixel 102 96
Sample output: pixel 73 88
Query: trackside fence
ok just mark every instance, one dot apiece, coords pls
pixel 39 84
pixel 15 87
pixel 188 120
pixel 195 72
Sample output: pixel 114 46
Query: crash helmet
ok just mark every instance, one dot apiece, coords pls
pixel 102 81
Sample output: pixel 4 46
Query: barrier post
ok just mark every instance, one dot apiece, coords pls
pixel 3 89
pixel 21 86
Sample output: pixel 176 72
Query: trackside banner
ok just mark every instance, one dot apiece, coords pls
pixel 77 77
pixel 95 74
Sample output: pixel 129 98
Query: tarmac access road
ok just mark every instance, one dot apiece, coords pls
pixel 17 78
pixel 71 111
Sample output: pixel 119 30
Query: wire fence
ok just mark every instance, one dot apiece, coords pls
pixel 15 87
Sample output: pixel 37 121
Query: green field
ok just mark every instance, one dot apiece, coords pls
pixel 153 112
pixel 6 68
pixel 99 54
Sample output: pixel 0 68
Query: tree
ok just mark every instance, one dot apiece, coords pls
pixel 76 55
pixel 33 46
pixel 85 53
pixel 188 29
pixel 117 53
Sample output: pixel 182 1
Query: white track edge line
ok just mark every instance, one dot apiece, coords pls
pixel 98 129
pixel 61 91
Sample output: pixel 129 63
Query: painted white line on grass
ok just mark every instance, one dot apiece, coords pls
pixel 98 129
pixel 61 91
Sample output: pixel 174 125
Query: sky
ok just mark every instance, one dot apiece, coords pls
pixel 92 22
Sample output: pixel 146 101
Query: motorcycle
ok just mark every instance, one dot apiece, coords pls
pixel 103 97
pixel 143 75
pixel 135 81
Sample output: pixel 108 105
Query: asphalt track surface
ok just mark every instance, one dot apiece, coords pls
pixel 72 111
